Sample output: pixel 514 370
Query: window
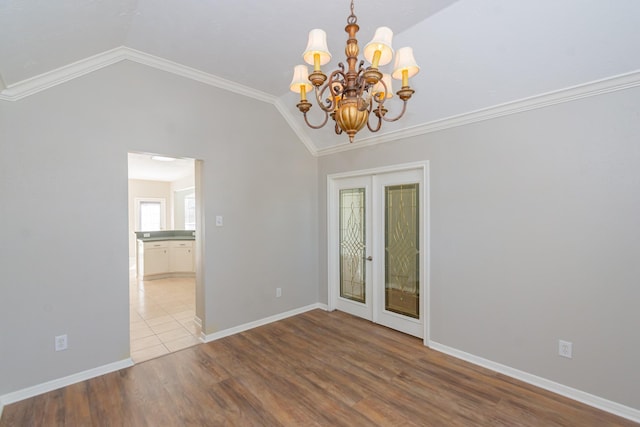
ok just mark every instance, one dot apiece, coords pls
pixel 190 212
pixel 150 214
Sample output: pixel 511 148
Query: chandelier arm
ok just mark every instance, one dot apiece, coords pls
pixel 319 95
pixel 404 108
pixel 377 128
pixel 330 105
pixel 324 122
pixel 361 84
pixel 332 78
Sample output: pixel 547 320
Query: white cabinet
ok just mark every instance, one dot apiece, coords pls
pixel 181 256
pixel 165 258
pixel 156 261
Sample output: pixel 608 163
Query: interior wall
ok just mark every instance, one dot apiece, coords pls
pixel 534 238
pixel 185 182
pixel 479 54
pixel 140 188
pixel 65 270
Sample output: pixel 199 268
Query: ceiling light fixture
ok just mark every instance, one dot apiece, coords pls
pixel 355 93
pixel 163 158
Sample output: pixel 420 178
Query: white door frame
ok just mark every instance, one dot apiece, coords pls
pixel 333 273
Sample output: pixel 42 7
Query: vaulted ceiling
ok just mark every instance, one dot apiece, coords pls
pixel 474 55
pixel 251 42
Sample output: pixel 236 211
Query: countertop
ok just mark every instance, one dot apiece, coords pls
pixel 155 236
pixel 158 239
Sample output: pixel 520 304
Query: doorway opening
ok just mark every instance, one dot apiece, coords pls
pixel 377 246
pixel 164 199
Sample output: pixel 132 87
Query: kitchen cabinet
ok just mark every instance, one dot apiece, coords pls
pixel 181 256
pixel 165 258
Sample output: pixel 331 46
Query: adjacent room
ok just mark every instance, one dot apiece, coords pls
pixel 425 213
pixel 162 279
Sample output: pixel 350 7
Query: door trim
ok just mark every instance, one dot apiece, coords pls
pixel 425 234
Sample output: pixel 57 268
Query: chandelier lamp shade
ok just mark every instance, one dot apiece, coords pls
pixel 352 95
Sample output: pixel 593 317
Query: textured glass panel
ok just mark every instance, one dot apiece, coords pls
pixel 402 250
pixel 352 244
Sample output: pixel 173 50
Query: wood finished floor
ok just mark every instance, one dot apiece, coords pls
pixel 313 369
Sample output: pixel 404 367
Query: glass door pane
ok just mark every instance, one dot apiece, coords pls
pixel 376 254
pixel 402 250
pixel 352 244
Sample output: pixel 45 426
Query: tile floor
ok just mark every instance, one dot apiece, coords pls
pixel 162 317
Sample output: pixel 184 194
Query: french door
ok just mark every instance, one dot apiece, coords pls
pixel 377 248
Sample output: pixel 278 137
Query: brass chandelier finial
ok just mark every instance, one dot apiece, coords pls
pixel 353 94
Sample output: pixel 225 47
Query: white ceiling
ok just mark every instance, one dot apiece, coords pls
pixel 473 54
pixel 142 166
pixel 236 40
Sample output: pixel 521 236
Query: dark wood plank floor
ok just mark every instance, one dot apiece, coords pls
pixel 314 369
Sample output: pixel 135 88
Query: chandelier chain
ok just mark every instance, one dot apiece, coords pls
pixel 352 19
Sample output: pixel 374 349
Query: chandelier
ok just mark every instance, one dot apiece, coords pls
pixel 350 96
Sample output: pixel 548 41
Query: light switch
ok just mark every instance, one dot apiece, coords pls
pixel 219 221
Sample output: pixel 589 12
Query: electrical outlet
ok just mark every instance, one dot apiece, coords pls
pixel 278 292
pixel 61 342
pixel 565 349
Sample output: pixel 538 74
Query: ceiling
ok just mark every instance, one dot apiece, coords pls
pixel 236 40
pixel 474 55
pixel 142 166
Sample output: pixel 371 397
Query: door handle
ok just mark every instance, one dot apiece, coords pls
pixel 369 258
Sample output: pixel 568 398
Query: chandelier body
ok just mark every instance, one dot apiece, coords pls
pixel 351 96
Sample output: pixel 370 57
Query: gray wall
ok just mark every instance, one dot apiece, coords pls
pixel 63 209
pixel 534 222
pixel 535 237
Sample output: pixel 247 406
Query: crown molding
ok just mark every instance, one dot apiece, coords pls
pixel 296 126
pixel 197 75
pixel 594 88
pixel 33 85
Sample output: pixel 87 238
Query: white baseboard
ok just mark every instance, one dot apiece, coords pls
pixel 241 328
pixel 35 390
pixel 572 393
pixel 198 321
pixel 126 363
